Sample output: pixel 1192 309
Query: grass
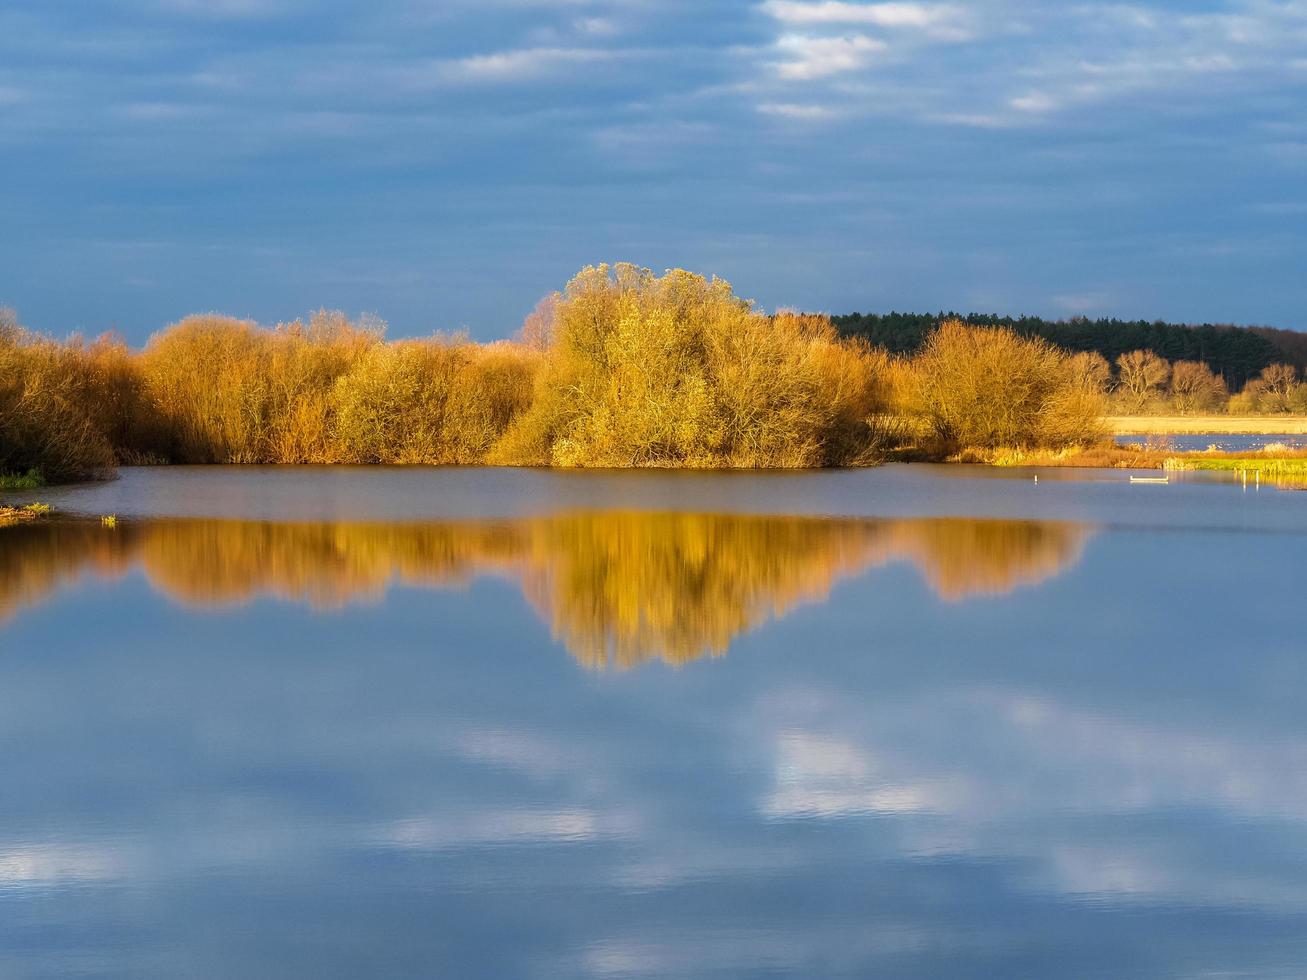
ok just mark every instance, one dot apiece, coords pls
pixel 1104 456
pixel 21 515
pixel 1269 465
pixel 1274 460
pixel 30 480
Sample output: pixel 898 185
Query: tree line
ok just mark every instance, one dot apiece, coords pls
pixel 1237 354
pixel 623 368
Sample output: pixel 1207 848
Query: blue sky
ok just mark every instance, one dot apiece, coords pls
pixel 443 164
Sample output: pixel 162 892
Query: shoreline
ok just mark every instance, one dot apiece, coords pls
pixel 1280 461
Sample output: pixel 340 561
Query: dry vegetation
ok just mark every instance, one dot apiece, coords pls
pixel 982 389
pixel 10 516
pixel 623 368
pixel 675 370
pixel 1147 384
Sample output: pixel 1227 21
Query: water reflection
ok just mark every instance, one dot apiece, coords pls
pixel 616 588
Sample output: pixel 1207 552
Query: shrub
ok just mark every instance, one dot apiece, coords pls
pixel 1194 388
pixel 207 381
pixel 1278 385
pixel 1141 376
pixel 986 388
pixel 49 421
pixel 677 371
pixel 225 391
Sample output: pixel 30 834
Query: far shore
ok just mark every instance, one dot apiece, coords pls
pixel 1180 425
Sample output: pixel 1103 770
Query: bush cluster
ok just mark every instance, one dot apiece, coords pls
pixel 623 368
pixel 984 388
pixel 676 370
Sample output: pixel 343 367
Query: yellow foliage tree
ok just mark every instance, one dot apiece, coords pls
pixel 676 370
pixel 987 388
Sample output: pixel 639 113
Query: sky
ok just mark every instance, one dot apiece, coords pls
pixel 444 164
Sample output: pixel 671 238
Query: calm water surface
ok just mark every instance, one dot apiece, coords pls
pixel 1225 442
pixel 914 721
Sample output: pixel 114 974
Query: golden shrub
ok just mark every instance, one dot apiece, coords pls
pixel 676 370
pixel 985 388
pixel 49 419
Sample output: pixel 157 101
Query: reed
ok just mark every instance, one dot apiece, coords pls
pixel 1291 464
pixel 22 481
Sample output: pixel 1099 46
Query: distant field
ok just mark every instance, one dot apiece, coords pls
pixel 1178 425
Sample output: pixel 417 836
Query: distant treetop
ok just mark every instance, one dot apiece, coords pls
pixel 1236 353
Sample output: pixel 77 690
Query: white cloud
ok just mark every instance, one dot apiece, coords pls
pixel 1139 51
pixel 523 64
pixel 597 26
pixel 818 57
pixel 1034 102
pixel 792 110
pixel 917 15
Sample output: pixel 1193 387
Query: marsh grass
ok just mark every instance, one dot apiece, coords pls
pixel 26 513
pixel 1099 456
pixel 31 480
pixel 1292 463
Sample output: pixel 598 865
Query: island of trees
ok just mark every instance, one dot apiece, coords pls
pixel 623 368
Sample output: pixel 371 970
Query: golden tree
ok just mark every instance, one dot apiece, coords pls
pixel 676 370
pixel 987 388
pixel 1141 376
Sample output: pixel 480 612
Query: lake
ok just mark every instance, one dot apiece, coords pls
pixel 916 721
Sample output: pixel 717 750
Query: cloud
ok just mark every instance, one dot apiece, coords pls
pixel 927 17
pixel 792 110
pixel 509 115
pixel 817 57
pixel 1034 102
pixel 597 26
pixel 523 65
pixel 1138 51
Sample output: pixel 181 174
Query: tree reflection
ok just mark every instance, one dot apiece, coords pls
pixel 617 588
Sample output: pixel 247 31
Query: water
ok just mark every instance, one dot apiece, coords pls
pixel 916 721
pixel 1229 443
